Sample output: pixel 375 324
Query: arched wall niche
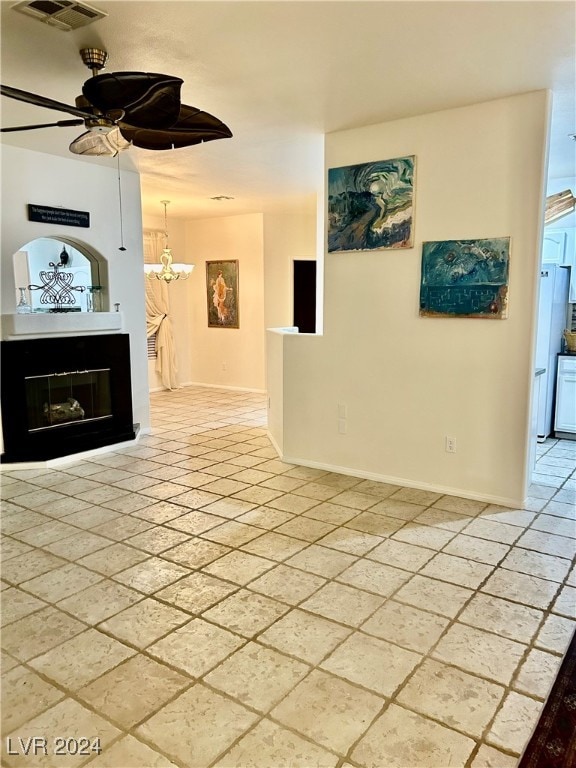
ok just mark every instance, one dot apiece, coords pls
pixel 88 267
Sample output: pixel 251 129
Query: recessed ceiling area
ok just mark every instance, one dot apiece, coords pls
pixel 282 74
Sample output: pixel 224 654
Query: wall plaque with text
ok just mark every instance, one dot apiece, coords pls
pixel 65 216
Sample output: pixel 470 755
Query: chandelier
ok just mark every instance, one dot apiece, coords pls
pixel 166 270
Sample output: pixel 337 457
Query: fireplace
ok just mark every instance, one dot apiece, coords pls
pixel 65 395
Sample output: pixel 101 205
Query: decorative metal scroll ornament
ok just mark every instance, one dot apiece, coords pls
pixel 57 289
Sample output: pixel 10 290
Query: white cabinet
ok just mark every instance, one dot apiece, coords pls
pixel 565 420
pixel 559 246
pixel 554 246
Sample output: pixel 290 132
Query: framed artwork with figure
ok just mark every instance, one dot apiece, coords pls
pixel 222 294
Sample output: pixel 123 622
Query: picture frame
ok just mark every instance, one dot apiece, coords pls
pixel 371 205
pixel 465 278
pixel 222 294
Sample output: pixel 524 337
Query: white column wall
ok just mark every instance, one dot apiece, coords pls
pixel 407 382
pixel 275 385
pixel 42 179
pixel 287 237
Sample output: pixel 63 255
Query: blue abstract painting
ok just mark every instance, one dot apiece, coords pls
pixel 465 278
pixel 370 206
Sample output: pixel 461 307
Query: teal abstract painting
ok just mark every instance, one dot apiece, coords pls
pixel 465 278
pixel 370 205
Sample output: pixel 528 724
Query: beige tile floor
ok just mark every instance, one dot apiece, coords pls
pixel 193 601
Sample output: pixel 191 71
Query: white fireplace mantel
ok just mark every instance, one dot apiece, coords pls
pixel 42 324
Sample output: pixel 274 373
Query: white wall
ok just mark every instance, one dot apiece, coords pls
pixel 275 386
pixel 229 357
pixel 266 246
pixel 34 177
pixel 407 382
pixel 287 237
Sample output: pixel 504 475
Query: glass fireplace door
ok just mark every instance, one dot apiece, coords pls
pixel 60 399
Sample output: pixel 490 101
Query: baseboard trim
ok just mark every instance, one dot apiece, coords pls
pixel 502 501
pixel 74 458
pixel 274 444
pixel 564 435
pixel 222 386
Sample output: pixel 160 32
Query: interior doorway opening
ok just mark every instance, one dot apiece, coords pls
pixel 304 293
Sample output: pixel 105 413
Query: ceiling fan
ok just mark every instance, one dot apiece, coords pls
pixel 123 109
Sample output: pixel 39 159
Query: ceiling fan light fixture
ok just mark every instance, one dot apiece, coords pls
pixel 94 58
pixel 99 126
pixel 115 141
pixel 96 144
pixel 167 270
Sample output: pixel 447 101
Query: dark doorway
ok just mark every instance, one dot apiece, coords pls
pixel 305 296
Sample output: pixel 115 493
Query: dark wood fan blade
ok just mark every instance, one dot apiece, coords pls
pixel 41 101
pixel 193 127
pixel 59 124
pixel 147 100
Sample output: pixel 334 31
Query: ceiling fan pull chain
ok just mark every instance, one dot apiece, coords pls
pixel 120 201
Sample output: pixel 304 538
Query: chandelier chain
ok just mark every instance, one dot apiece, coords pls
pixel 165 203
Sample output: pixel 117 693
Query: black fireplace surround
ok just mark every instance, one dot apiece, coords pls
pixel 64 395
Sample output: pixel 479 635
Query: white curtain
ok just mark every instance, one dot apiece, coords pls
pixel 158 320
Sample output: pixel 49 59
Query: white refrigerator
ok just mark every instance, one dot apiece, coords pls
pixel 552 319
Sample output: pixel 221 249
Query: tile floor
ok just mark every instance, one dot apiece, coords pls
pixel 193 601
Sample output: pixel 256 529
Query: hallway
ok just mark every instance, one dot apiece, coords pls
pixel 194 601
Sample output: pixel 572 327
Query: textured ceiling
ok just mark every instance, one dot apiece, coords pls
pixel 282 74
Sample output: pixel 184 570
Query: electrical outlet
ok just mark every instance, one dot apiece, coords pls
pixel 223 366
pixel 342 411
pixel 450 444
pixel 342 426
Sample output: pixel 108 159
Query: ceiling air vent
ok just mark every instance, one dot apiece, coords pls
pixel 63 14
